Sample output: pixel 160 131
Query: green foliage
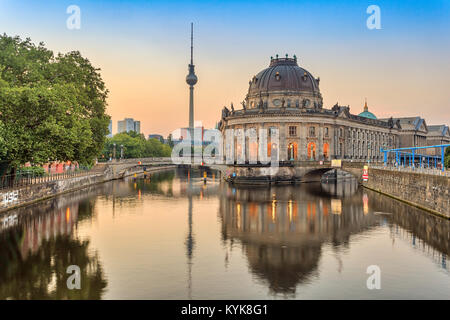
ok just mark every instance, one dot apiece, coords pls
pixel 170 141
pixel 51 107
pixel 32 171
pixel 135 146
pixel 447 157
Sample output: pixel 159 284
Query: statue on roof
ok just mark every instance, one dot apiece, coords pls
pixel 391 122
pixel 225 112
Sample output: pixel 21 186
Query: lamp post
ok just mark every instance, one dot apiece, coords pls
pixel 114 151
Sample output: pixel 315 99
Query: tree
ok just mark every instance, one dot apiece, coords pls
pixel 51 107
pixel 135 146
pixel 447 157
pixel 170 141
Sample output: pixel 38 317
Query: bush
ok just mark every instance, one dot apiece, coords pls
pixel 31 171
pixel 135 146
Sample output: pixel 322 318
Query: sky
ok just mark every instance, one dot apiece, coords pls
pixel 142 49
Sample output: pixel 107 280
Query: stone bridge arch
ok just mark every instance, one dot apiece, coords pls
pixel 315 174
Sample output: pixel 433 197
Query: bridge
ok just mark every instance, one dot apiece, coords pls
pixel 286 172
pixel 426 187
pixel 405 160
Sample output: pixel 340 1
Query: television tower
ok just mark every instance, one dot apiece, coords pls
pixel 191 80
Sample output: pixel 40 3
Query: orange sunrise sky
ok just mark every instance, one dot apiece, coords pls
pixel 142 48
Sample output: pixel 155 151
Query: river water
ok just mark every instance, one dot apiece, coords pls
pixel 172 236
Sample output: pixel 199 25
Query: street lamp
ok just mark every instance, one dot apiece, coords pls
pixel 114 151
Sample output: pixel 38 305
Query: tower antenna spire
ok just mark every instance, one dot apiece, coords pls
pixel 192 43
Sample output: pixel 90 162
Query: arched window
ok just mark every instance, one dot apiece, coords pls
pixel 292 151
pixel 253 152
pixel 311 151
pixel 326 151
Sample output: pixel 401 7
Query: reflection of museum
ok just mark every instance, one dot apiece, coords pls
pixel 287 97
pixel 283 229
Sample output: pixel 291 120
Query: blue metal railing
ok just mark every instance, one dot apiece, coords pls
pixel 411 156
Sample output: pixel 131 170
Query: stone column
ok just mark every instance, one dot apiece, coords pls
pixel 303 146
pixel 319 155
pixel 258 139
pixel 283 146
pixel 332 142
pixel 245 144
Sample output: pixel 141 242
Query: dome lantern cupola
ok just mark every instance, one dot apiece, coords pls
pixel 366 113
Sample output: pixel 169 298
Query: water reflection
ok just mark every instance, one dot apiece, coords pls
pixel 37 248
pixel 285 233
pixel 282 229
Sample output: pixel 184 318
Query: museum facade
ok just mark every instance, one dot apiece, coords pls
pixel 286 97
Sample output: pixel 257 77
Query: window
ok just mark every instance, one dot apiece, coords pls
pixel 312 131
pixel 340 132
pixel 326 131
pixel 293 131
pixel 272 131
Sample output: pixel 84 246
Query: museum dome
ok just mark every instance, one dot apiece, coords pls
pixel 284 74
pixel 366 113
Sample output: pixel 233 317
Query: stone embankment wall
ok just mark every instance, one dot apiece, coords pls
pixel 10 199
pixel 426 191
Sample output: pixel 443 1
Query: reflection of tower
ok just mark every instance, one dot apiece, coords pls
pixel 190 242
pixel 191 80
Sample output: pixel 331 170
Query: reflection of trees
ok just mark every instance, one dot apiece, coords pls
pixel 126 190
pixel 152 183
pixel 35 254
pixel 42 274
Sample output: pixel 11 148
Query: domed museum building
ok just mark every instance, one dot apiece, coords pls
pixel 287 97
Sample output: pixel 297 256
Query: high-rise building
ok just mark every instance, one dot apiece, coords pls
pixel 127 125
pixel 137 126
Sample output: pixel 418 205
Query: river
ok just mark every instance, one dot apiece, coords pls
pixel 173 236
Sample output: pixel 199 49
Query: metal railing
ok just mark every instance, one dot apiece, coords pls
pixel 136 160
pixel 30 178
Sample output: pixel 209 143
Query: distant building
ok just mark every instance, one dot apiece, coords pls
pixel 439 134
pixel 413 132
pixel 197 135
pixel 137 126
pixel 127 125
pixel 110 129
pixel 157 137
